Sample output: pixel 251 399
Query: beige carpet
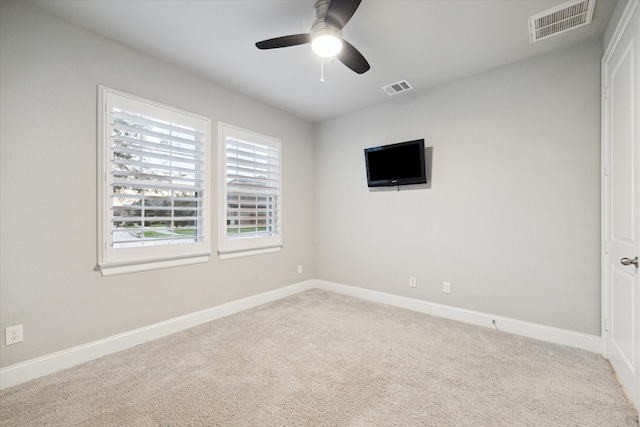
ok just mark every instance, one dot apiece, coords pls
pixel 322 359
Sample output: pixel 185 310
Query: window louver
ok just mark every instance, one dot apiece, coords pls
pixel 252 190
pixel 157 181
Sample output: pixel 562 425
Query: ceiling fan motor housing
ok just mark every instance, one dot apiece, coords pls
pixel 326 40
pixel 320 9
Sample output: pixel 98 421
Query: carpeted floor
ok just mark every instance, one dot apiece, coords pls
pixel 322 359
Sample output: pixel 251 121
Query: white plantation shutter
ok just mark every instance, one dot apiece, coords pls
pixel 251 193
pixel 155 169
pixel 158 179
pixel 252 190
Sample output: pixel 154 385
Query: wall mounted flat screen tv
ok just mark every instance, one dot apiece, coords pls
pixel 396 164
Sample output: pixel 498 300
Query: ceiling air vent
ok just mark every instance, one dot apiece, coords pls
pixel 562 18
pixel 398 87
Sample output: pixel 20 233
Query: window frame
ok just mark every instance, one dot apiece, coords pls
pixel 240 247
pixel 111 260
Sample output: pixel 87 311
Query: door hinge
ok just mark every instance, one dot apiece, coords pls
pixel 605 93
pixel 606 248
pixel 605 325
pixel 605 169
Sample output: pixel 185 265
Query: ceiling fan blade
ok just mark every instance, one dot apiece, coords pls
pixel 340 11
pixel 353 59
pixel 284 41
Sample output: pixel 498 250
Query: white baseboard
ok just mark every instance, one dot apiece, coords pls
pixel 25 371
pixel 592 343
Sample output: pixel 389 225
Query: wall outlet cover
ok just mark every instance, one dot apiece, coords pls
pixel 13 334
pixel 446 287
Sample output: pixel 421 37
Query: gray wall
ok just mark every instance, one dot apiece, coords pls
pixel 512 218
pixel 49 73
pixel 621 5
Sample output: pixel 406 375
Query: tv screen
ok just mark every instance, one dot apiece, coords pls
pixel 396 164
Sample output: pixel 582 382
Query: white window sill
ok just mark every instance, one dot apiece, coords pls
pixel 248 252
pixel 124 268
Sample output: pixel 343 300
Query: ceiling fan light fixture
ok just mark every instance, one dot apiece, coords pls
pixel 325 36
pixel 327 42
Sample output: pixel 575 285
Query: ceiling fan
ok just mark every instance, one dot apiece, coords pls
pixel 326 34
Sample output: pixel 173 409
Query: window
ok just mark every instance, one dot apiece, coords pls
pixel 250 178
pixel 153 175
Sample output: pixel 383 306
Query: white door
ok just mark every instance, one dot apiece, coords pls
pixel 621 205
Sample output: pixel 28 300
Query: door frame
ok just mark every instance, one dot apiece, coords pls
pixel 619 31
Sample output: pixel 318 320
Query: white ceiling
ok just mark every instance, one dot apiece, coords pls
pixel 428 42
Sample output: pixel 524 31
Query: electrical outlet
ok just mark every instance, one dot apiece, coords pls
pixel 299 269
pixel 412 282
pixel 13 334
pixel 446 287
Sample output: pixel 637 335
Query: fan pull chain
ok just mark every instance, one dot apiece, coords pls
pixel 322 67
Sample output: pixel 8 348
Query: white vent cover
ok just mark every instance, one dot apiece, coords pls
pixel 398 87
pixel 565 17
